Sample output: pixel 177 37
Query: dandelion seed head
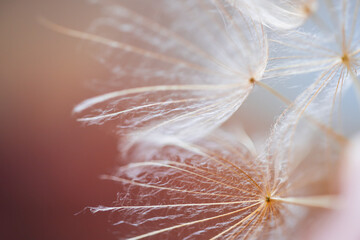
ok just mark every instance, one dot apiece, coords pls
pixel 325 49
pixel 184 76
pixel 215 188
pixel 180 71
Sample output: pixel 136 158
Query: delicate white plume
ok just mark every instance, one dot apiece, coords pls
pixel 189 72
pixel 332 52
pixel 216 189
pixel 277 14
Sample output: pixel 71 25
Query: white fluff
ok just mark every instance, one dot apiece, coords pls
pixel 277 14
pixel 188 73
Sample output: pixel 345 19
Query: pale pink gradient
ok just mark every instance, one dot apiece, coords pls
pixel 344 223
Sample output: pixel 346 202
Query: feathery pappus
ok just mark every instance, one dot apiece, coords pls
pixel 278 15
pixel 190 70
pixel 327 45
pixel 179 71
pixel 216 188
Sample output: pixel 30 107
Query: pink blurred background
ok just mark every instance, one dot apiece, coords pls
pixel 49 163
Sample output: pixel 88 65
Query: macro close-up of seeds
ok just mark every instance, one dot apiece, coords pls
pixel 182 119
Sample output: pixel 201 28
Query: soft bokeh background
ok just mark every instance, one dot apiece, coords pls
pixel 49 163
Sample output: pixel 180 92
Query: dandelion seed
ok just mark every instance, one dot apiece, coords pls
pixel 334 53
pixel 283 15
pixel 216 189
pixel 209 76
pixel 190 72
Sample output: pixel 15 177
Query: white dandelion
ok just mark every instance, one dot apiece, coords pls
pixel 330 48
pixel 216 189
pixel 189 72
pixel 278 14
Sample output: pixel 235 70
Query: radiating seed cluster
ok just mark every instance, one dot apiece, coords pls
pixel 179 70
